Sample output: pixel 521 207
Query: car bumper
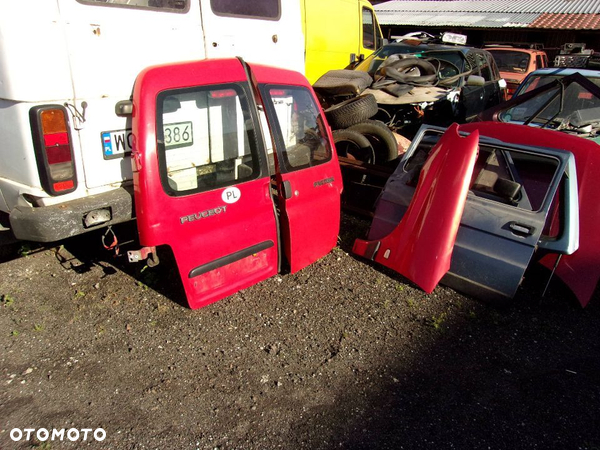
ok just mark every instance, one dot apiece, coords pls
pixel 56 222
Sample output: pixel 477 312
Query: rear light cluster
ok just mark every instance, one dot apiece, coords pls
pixel 53 148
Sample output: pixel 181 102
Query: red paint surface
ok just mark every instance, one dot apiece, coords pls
pixel 310 224
pixel 581 270
pixel 420 247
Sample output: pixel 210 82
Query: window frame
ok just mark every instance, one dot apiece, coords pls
pixel 137 7
pixel 255 141
pixel 247 16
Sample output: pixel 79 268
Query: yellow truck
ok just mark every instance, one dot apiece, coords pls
pixel 337 33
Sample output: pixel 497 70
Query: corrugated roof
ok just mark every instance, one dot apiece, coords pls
pixel 489 20
pixel 556 14
pixel 568 21
pixel 494 6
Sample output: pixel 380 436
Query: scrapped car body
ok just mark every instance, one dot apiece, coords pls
pixel 516 63
pixel 566 101
pixel 233 168
pixel 420 246
pixel 512 193
pixel 416 83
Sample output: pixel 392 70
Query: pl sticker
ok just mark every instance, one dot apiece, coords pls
pixel 231 195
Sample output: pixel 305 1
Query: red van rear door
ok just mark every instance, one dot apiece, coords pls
pixel 308 176
pixel 201 177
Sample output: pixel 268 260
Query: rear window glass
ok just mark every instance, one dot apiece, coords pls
pixel 511 61
pixel 166 5
pixel 301 128
pixel 206 139
pixel 257 9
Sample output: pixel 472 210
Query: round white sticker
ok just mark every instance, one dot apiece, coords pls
pixel 231 194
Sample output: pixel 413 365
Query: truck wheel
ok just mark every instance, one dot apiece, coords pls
pixel 381 138
pixel 352 111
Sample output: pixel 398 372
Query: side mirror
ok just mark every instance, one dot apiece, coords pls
pixel 475 80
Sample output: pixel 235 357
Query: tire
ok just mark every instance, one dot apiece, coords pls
pixel 381 138
pixel 396 71
pixel 351 112
pixel 353 145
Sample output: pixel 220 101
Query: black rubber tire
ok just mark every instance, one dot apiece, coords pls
pixel 397 68
pixel 381 138
pixel 353 145
pixel 351 112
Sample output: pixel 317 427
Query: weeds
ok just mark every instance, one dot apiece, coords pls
pixel 7 300
pixel 38 327
pixel 436 321
pixel 14 333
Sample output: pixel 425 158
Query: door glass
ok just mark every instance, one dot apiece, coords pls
pixel 513 177
pixel 369 36
pixel 300 128
pixel 167 5
pixel 257 9
pixel 484 66
pixel 206 139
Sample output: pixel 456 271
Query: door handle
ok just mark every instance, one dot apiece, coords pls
pixel 287 189
pixel 521 229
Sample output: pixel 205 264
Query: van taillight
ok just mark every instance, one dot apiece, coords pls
pixel 53 148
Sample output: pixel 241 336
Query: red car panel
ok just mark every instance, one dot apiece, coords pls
pixel 581 270
pixel 224 234
pixel 420 246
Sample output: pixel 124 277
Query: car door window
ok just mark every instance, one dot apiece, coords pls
pixel 484 67
pixel 206 139
pixel 300 127
pixel 368 25
pixel 508 176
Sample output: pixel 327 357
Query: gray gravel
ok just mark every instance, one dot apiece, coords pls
pixel 344 354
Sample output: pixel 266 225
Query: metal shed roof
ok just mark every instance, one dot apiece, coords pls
pixel 570 14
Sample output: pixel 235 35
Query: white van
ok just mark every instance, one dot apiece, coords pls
pixel 67 69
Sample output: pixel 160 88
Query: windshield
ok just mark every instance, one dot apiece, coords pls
pixel 511 60
pixel 534 82
pixel 454 57
pixel 559 108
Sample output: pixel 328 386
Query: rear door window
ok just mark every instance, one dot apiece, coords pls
pixel 206 139
pixel 256 9
pixel 165 5
pixel 300 128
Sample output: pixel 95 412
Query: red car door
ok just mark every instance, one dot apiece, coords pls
pixel 308 175
pixel 201 178
pixel 204 178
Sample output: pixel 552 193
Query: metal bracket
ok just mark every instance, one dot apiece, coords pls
pixel 148 253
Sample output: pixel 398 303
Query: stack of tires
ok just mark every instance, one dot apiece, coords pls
pixel 358 137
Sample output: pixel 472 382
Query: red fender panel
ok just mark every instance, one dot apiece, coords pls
pixel 420 247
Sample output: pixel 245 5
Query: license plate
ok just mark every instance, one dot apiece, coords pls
pixel 178 135
pixel 116 144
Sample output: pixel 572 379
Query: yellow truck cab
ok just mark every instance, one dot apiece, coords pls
pixel 338 33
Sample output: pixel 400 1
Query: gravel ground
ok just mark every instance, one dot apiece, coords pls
pixel 343 354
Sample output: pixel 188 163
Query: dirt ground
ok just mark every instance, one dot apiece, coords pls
pixel 343 354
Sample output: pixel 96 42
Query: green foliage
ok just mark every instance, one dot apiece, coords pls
pixel 436 321
pixel 8 300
